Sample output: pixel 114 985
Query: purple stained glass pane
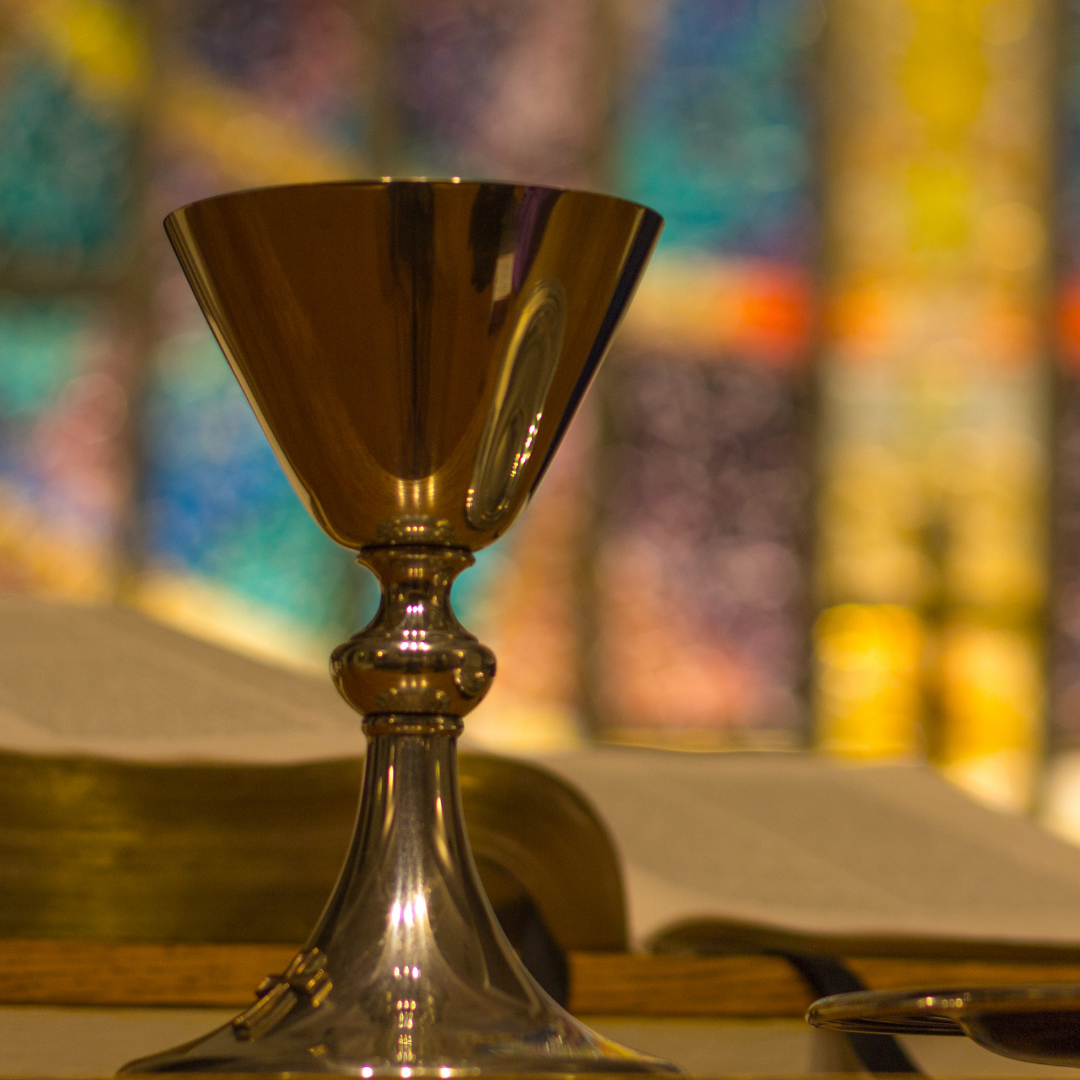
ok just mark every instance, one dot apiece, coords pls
pixel 501 91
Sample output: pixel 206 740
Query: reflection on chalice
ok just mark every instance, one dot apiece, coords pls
pixel 414 352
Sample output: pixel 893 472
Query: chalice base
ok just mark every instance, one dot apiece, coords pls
pixel 408 973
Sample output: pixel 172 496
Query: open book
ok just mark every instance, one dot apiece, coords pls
pixel 719 852
pixel 795 852
pixel 108 681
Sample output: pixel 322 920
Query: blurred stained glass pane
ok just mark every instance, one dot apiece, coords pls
pixel 506 91
pixel 63 472
pixel 1064 684
pixel 299 59
pixel 258 91
pixel 717 130
pixel 218 506
pixel 869 678
pixel 70 76
pixel 515 92
pixel 700 566
pixel 934 398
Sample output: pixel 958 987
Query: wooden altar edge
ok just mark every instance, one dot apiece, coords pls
pixel 179 974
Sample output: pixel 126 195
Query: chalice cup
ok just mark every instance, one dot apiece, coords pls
pixel 414 352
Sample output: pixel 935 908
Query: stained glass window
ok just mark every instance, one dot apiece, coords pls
pixel 810 498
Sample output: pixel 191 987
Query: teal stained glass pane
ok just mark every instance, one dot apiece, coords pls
pixel 39 346
pixel 715 134
pixel 65 173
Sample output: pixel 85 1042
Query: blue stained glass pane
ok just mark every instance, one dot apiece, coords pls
pixel 218 504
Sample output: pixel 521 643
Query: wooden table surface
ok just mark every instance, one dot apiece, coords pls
pixel 146 973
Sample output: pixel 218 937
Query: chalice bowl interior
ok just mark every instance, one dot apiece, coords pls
pixel 414 352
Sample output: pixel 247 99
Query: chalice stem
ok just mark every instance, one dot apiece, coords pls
pixel 408 973
pixel 408 933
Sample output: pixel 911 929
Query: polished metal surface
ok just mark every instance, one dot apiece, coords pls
pixel 97 849
pixel 525 377
pixel 414 351
pixel 1029 1023
pixel 377 670
pixel 420 977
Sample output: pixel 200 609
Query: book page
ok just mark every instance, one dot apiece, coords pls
pixel 108 681
pixel 805 844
